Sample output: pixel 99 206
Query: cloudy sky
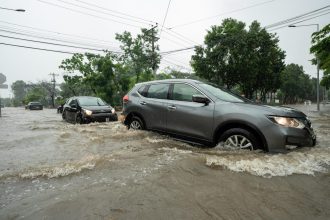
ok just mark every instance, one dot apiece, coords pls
pixel 86 23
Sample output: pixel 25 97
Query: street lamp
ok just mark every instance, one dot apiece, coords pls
pixel 10 9
pixel 317 66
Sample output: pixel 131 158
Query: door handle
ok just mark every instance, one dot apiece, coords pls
pixel 171 107
pixel 143 103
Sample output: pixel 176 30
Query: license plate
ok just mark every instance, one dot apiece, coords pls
pixel 107 119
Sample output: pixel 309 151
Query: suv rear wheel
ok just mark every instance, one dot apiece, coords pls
pixel 136 124
pixel 238 138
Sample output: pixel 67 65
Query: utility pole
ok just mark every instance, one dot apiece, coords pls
pixel 153 39
pixel 53 80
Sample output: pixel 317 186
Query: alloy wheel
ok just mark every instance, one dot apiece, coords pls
pixel 135 125
pixel 238 141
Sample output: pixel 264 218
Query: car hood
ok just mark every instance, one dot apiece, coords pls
pixel 273 110
pixel 97 107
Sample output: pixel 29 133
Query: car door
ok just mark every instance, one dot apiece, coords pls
pixel 188 118
pixel 72 110
pixel 153 105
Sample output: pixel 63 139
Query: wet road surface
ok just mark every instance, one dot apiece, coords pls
pixel 50 169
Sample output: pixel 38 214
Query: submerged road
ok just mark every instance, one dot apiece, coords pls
pixel 50 169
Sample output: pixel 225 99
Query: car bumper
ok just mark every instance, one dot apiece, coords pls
pixel 284 139
pixel 35 107
pixel 101 117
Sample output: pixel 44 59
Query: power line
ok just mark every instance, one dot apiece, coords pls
pixel 45 38
pixel 181 39
pixel 172 63
pixel 174 51
pixel 168 6
pixel 37 48
pixel 84 13
pixel 55 32
pixel 293 20
pixel 298 22
pixel 307 14
pixel 102 12
pixel 118 12
pixel 221 14
pixel 49 43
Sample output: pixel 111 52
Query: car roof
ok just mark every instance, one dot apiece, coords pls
pixel 170 81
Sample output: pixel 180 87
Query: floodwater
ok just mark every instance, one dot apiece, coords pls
pixel 50 169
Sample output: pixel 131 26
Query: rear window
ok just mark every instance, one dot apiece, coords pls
pixel 158 91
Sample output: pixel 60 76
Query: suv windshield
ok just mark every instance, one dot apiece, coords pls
pixel 222 94
pixel 91 101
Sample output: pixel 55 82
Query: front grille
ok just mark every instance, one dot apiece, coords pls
pixel 101 111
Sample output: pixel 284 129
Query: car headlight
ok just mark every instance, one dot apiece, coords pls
pixel 113 111
pixel 288 122
pixel 88 112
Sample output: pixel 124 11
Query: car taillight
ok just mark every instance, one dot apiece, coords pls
pixel 125 99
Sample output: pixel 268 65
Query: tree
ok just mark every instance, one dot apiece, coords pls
pixel 321 49
pixel 141 54
pixel 37 93
pixel 19 89
pixel 70 87
pixel 170 73
pixel 234 56
pixel 296 86
pixel 101 73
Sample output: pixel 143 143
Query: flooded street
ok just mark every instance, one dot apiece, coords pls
pixel 50 169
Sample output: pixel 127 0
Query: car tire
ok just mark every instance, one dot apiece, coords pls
pixel 239 138
pixel 136 123
pixel 79 119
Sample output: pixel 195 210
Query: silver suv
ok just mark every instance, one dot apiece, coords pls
pixel 202 113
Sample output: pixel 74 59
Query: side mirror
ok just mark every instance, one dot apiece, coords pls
pixel 200 99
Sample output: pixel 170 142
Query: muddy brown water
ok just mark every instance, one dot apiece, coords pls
pixel 50 169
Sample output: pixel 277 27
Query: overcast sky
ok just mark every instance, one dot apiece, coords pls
pixel 185 25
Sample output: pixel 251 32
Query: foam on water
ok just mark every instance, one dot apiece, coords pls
pixel 298 162
pixel 86 163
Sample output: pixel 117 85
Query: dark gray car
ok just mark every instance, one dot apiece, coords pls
pixel 203 113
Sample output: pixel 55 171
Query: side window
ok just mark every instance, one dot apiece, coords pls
pixel 142 91
pixel 158 91
pixel 73 102
pixel 184 92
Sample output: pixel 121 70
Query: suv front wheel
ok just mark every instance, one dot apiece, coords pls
pixel 238 138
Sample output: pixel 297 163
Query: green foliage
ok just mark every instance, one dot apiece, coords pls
pixel 110 76
pixel 170 73
pixel 321 49
pixel 19 89
pixel 296 85
pixel 102 76
pixel 234 56
pixel 326 81
pixel 141 54
pixel 37 94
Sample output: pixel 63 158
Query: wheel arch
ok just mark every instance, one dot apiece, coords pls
pixel 134 114
pixel 240 124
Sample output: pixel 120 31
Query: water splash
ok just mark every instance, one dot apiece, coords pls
pixel 299 162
